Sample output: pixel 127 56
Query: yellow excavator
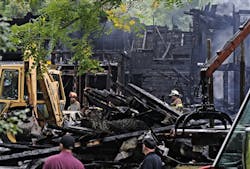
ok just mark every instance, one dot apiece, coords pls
pixel 22 85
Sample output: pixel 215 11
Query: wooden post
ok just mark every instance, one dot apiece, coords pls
pixel 121 72
pixel 86 85
pixel 242 72
pixel 210 82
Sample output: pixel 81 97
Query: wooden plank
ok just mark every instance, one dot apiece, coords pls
pixel 156 101
pixel 135 134
pixel 30 154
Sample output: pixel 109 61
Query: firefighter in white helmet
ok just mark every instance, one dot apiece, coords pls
pixel 176 101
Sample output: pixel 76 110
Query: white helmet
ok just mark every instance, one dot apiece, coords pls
pixel 174 93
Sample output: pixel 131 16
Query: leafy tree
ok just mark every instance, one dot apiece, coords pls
pixel 60 21
pixel 10 123
pixel 158 12
pixel 5 43
pixel 14 8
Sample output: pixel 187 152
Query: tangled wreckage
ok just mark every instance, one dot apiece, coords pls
pixel 109 132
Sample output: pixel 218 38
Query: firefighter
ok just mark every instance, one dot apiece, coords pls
pixel 176 101
pixel 74 104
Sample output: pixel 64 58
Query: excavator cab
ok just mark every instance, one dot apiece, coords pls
pixel 9 84
pixel 22 87
pixel 11 90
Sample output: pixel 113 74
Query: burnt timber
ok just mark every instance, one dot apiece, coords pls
pixel 160 61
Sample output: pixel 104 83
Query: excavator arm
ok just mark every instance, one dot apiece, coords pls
pixel 49 88
pixel 206 111
pixel 212 65
pixel 228 49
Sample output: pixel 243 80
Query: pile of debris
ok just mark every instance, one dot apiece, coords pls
pixel 138 110
pixel 109 132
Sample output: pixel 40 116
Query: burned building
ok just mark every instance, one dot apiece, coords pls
pixel 162 59
pixel 229 84
pixel 158 61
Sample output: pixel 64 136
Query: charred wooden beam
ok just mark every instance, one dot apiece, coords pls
pixel 107 96
pixel 27 155
pixel 134 134
pixel 21 147
pixel 154 100
pixel 15 146
pixel 75 130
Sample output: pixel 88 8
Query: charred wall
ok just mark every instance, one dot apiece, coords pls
pixel 164 59
pixel 161 61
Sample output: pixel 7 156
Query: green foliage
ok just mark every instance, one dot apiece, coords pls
pixel 10 123
pixel 15 8
pixel 165 12
pixel 149 12
pixel 60 21
pixel 5 43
